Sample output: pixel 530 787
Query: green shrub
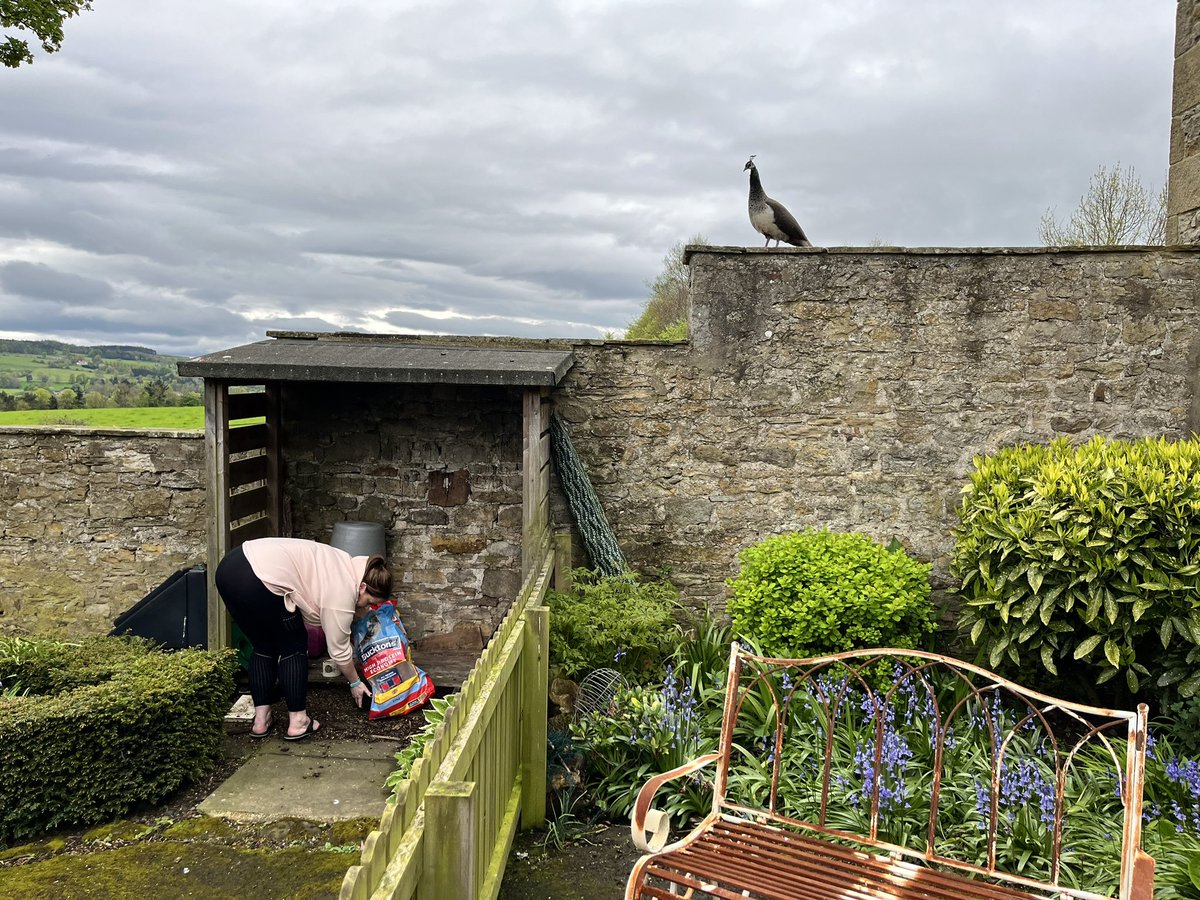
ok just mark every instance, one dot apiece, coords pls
pixel 814 592
pixel 107 724
pixel 617 622
pixel 1086 553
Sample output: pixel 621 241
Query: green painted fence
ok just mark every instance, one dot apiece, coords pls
pixel 448 832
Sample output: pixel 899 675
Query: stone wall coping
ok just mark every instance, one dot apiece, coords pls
pixel 712 250
pixel 91 431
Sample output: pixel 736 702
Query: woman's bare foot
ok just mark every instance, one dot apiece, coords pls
pixel 300 727
pixel 261 726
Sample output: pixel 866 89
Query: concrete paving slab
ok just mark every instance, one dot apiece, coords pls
pixel 320 781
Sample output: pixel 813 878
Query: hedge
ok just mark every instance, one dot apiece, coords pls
pixel 1085 556
pixel 90 730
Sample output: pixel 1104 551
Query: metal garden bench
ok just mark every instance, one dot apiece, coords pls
pixel 902 774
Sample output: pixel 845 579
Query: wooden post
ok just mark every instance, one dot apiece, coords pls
pixel 216 452
pixel 561 581
pixel 449 842
pixel 534 692
pixel 535 479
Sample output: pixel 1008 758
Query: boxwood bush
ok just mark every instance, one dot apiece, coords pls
pixel 90 730
pixel 1085 557
pixel 812 592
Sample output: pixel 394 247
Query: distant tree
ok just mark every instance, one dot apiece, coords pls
pixel 156 392
pixel 39 398
pixel 664 317
pixel 1117 209
pixel 44 18
pixel 124 395
pixel 95 400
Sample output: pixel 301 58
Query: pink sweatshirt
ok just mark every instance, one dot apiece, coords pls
pixel 318 580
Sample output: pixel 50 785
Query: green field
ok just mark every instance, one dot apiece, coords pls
pixel 185 417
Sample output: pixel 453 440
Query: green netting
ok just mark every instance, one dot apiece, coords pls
pixel 596 533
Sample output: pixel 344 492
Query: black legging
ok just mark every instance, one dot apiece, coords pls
pixel 279 637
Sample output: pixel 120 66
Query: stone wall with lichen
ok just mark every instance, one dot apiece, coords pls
pixel 91 521
pixel 847 388
pixel 852 388
pixel 1183 182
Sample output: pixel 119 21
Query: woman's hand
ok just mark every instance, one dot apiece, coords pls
pixel 360 692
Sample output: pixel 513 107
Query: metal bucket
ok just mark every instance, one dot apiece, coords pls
pixel 359 538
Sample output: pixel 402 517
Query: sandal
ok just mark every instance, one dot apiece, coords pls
pixel 261 734
pixel 313 727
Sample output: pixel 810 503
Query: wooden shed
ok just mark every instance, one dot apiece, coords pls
pixel 444 441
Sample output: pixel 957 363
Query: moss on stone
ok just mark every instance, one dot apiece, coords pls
pixel 115 832
pixel 174 869
pixel 34 849
pixel 351 831
pixel 201 828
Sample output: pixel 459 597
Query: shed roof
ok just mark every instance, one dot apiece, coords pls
pixel 380 360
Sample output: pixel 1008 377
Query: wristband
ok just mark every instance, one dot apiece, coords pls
pixel 356 683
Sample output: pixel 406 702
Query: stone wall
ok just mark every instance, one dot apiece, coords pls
pixel 91 521
pixel 1183 191
pixel 440 467
pixel 848 388
pixel 851 388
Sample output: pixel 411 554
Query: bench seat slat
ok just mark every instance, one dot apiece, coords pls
pixel 733 856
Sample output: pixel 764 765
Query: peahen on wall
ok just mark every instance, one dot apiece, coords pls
pixel 770 217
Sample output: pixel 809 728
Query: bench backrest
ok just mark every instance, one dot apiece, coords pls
pixel 939 760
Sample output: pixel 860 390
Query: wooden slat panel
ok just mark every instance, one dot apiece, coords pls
pixel 247 406
pixel 274 460
pixel 248 437
pixel 259 528
pixel 248 471
pixel 248 503
pixel 216 452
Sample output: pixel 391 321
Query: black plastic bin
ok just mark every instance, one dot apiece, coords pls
pixel 174 614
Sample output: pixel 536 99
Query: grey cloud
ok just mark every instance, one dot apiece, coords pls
pixel 531 162
pixel 38 281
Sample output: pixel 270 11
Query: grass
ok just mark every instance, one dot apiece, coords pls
pixel 170 417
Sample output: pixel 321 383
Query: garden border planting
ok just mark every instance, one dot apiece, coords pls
pixel 779 828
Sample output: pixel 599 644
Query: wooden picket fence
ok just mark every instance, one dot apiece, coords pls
pixel 448 832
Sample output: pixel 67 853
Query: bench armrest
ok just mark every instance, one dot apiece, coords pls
pixel 1143 876
pixel 644 819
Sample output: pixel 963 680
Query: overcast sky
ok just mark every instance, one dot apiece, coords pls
pixel 186 176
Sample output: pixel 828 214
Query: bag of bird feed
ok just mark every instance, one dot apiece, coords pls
pixel 382 654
